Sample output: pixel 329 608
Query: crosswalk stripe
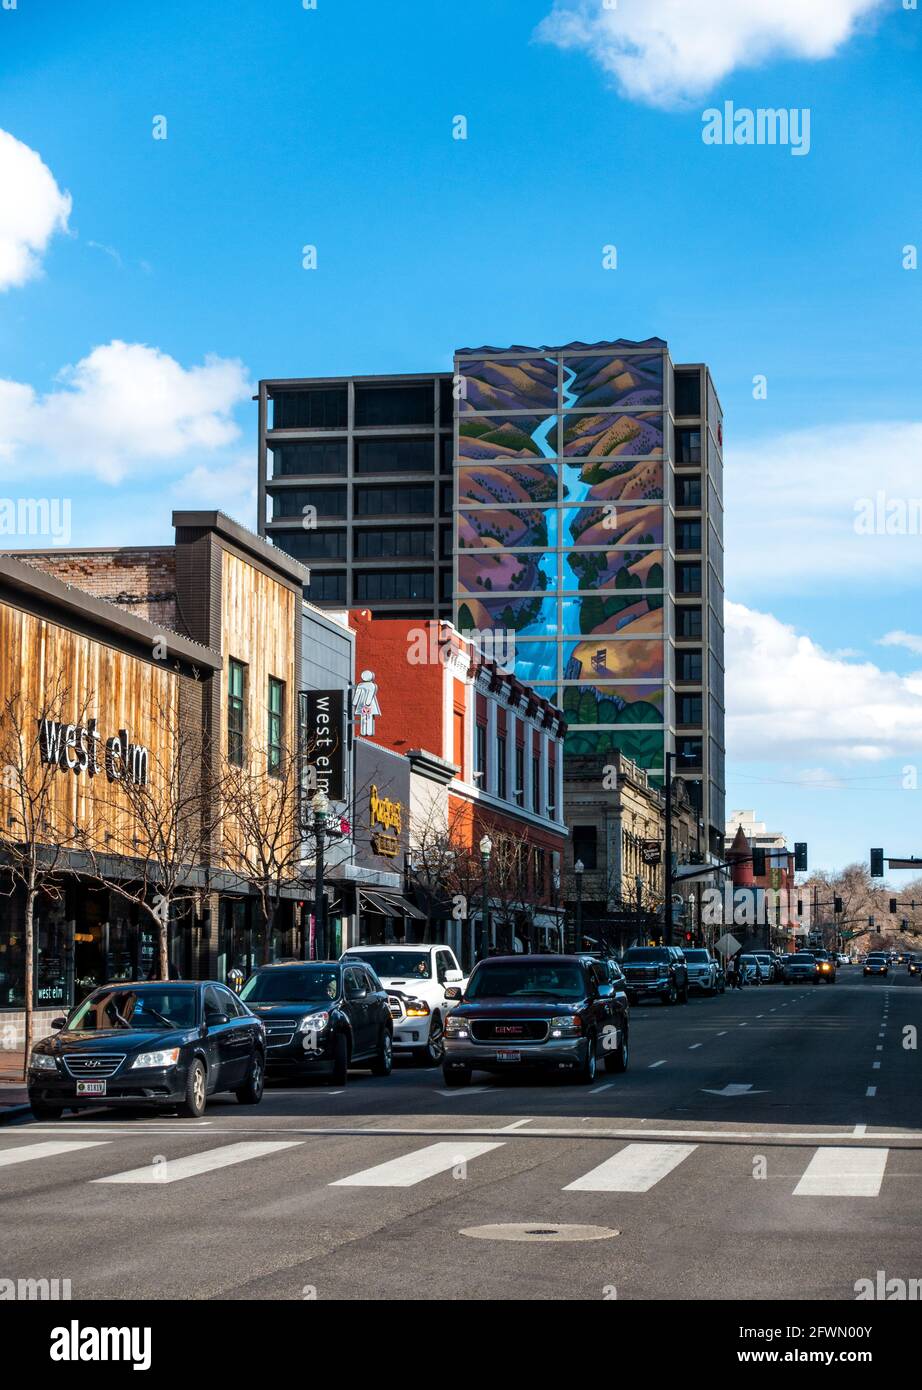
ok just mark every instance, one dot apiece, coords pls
pixel 414 1167
pixel 174 1169
pixel 843 1173
pixel 636 1168
pixel 26 1152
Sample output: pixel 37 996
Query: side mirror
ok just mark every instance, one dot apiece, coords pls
pixel 215 1020
pixel 606 991
pixel 57 1023
pixel 453 991
pixel 452 976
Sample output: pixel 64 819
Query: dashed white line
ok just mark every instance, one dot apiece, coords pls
pixel 693 1046
pixel 871 1092
pixel 657 1064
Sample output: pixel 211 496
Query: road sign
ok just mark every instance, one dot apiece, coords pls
pixel 727 945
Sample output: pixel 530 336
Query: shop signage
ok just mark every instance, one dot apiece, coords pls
pixel 76 748
pixel 387 814
pixel 365 706
pixel 387 845
pixel 651 852
pixel 324 745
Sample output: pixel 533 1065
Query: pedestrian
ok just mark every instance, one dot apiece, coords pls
pixel 738 970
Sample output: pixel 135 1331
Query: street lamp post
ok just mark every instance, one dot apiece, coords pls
pixel 486 849
pixel 578 869
pixel 321 808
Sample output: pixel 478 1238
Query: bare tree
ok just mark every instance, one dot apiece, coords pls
pixel 157 839
pixel 39 749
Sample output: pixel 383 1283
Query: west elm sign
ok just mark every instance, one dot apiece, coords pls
pixel 76 748
pixel 323 741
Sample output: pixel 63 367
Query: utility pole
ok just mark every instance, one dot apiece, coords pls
pixel 667 868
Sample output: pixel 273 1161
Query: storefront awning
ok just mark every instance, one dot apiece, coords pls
pixel 389 904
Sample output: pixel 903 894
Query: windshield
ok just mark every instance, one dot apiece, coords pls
pixel 697 957
pixel 312 985
pixel 804 958
pixel 416 965
pixel 643 956
pixel 107 1009
pixel 549 980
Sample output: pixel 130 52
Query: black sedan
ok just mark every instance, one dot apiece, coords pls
pixel 562 1013
pixel 171 1043
pixel 323 1016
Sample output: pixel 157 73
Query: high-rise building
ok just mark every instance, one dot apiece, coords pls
pixel 355 480
pixel 589 532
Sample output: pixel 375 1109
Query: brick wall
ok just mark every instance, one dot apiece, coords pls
pixel 140 580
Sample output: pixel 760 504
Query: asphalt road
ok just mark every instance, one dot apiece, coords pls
pixel 765 1144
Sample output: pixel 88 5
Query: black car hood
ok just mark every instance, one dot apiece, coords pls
pixel 116 1040
pixel 289 1010
pixel 516 1008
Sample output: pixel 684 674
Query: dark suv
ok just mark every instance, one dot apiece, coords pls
pixel 656 972
pixel 563 1013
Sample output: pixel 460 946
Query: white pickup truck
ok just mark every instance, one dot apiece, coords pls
pixel 415 978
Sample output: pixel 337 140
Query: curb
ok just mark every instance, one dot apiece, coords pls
pixel 11 1112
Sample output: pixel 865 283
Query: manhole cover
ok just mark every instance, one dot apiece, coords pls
pixel 531 1231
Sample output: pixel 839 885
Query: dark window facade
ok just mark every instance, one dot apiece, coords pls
pixel 323 457
pixel 688 709
pixel 585 845
pixel 688 666
pixel 688 492
pixel 688 535
pixel 327 587
pixel 519 774
pixel 446 401
pixel 312 545
pixel 480 751
pixel 393 545
pixel 447 454
pixel 329 501
pixel 394 405
pixel 688 579
pixel 501 766
pixel 689 752
pixel 394 455
pixel 688 393
pixel 688 621
pixel 377 585
pixel 687 446
pixel 236 711
pixel 320 408
pixel 393 501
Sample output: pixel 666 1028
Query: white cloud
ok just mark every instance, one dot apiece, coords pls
pixel 832 505
pixel 125 409
pixel 909 640
pixel 229 487
pixel 664 52
pixel 788 698
pixel 32 209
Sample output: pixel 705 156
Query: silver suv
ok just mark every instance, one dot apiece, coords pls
pixel 703 971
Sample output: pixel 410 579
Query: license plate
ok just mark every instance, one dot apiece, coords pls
pixel 508 1056
pixel 91 1088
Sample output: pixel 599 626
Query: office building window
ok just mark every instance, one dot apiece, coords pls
pixel 552 791
pixel 446 498
pixel 540 875
pixel 393 501
pixel 536 786
pixel 446 543
pixel 585 845
pixel 446 400
pixel 688 709
pixel 687 445
pixel 688 492
pixel 312 545
pixel 447 453
pixel 688 579
pixel 688 620
pixel 688 666
pixel 501 766
pixel 445 584
pixel 689 752
pixel 394 455
pixel 320 408
pixel 519 774
pixel 326 587
pixel 320 456
pixel 688 535
pixel 375 585
pixel 275 725
pixel 394 405
pixel 329 501
pixel 236 711
pixel 393 544
pixel 688 393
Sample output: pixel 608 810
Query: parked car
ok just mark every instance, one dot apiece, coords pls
pixel 415 978
pixel 876 963
pixel 800 969
pixel 704 973
pixel 562 1013
pixel 766 963
pixel 322 1016
pixel 166 1044
pixel 656 972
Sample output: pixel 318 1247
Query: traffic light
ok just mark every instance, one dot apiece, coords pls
pixel 800 907
pixel 904 925
pixel 871 920
pixel 800 856
pixel 877 863
pixel 893 904
pixel 758 863
pixel 837 905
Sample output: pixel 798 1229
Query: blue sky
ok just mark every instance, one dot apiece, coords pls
pixel 333 127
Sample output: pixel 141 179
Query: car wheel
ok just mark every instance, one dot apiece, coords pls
pixel 587 1071
pixel 251 1092
pixel 456 1076
pixel 431 1055
pixel 194 1104
pixel 617 1061
pixel 340 1060
pixel 41 1111
pixel 384 1060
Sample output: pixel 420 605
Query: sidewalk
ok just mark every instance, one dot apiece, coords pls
pixel 13 1096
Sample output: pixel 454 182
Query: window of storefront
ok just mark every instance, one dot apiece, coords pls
pixel 236 711
pixel 276 718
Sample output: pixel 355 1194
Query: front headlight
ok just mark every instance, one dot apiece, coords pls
pixel 456 1027
pixel 417 1008
pixel 42 1061
pixel 165 1057
pixel 314 1023
pixel 566 1026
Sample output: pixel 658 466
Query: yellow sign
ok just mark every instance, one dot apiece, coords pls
pixel 385 812
pixel 386 844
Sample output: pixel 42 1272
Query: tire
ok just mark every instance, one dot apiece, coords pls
pixel 251 1092
pixel 42 1111
pixel 456 1076
pixel 384 1060
pixel 671 996
pixel 431 1055
pixel 193 1107
pixel 617 1061
pixel 340 1074
pixel 587 1072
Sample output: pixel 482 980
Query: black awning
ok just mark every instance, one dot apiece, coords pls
pixel 389 904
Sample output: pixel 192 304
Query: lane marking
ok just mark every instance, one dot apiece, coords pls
pixel 722 1033
pixel 415 1167
pixel 693 1046
pixel 596 1090
pixel 518 1124
pixel 843 1173
pixel 50 1149
pixel 871 1091
pixel 194 1165
pixel 458 1093
pixel 657 1064
pixel 636 1168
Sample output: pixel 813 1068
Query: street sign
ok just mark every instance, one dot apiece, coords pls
pixel 905 863
pixel 727 945
pixel 651 852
